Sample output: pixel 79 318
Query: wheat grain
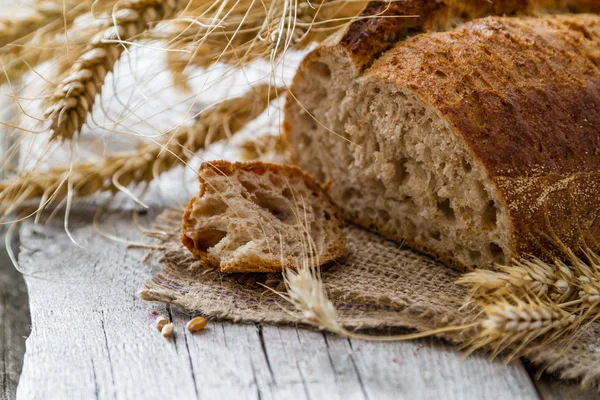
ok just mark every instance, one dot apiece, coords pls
pixel 196 324
pixel 75 95
pixel 151 159
pixel 167 330
pixel 161 322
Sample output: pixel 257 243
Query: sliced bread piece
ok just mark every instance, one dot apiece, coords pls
pixel 261 217
pixel 473 145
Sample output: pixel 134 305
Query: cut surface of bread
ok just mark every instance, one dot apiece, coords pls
pixel 405 174
pixel 261 217
pixel 469 145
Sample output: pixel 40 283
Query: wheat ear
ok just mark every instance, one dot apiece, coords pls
pixel 513 324
pixel 75 95
pixel 250 30
pixel 117 172
pixel 575 283
pixel 48 43
pixel 570 288
pixel 263 147
pixel 43 13
pixel 525 275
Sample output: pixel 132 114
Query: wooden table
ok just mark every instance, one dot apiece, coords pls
pixel 92 337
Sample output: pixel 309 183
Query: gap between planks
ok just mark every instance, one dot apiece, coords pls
pixel 14 324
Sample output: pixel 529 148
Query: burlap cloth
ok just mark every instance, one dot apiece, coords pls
pixel 377 284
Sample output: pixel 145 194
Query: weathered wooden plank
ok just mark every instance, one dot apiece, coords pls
pixel 93 338
pixel 428 369
pixel 226 359
pixel 14 324
pixel 304 368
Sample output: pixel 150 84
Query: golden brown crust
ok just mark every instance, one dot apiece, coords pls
pixel 259 168
pixel 368 37
pixel 522 93
pixel 545 208
pixel 498 81
pixel 259 264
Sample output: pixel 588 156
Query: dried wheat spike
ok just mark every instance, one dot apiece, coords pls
pixel 47 43
pixel 513 324
pixel 75 95
pixel 254 30
pixel 26 41
pixel 522 276
pixel 575 282
pixel 265 148
pixel 553 280
pixel 44 12
pixel 151 159
pixel 584 274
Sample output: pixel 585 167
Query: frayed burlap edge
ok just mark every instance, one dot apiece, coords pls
pixel 375 285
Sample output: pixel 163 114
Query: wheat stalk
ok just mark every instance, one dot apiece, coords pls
pixel 75 95
pixel 118 171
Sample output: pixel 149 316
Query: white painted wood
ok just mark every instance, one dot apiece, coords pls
pixel 93 338
pixel 413 370
pixel 303 367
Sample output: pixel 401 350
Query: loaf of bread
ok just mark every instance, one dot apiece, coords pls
pixel 261 217
pixel 475 144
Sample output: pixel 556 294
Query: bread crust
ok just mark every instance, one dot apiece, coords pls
pixel 523 94
pixel 258 264
pixel 368 37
